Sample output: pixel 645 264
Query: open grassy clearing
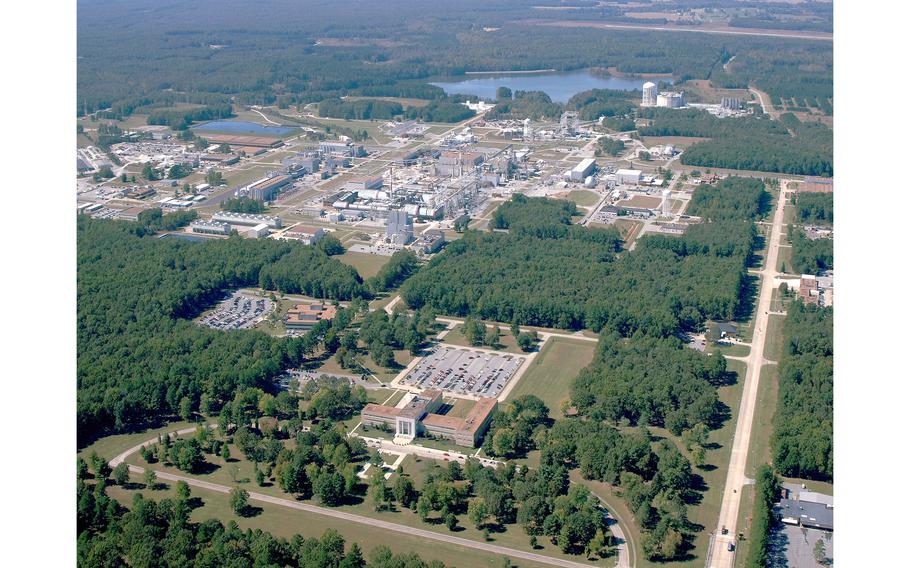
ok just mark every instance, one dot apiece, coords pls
pixel 730 350
pixel 506 341
pixel 583 197
pixel 552 372
pixel 285 523
pixel 628 229
pixel 367 265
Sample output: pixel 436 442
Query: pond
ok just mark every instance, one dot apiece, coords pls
pixel 243 127
pixel 559 86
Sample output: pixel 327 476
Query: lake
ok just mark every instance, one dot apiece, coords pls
pixel 243 127
pixel 559 86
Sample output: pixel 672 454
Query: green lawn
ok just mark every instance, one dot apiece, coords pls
pixel 774 344
pixel 552 372
pixel 731 350
pixel 507 342
pixel 220 472
pixel 366 264
pixel 283 522
pixel 583 197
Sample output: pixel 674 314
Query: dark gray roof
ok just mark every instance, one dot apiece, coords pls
pixel 725 327
pixel 809 514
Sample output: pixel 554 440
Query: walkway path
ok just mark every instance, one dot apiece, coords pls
pixel 718 555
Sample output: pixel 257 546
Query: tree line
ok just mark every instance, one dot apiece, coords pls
pixel 802 443
pixel 747 143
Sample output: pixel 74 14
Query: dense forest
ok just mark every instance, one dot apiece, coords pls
pixel 747 143
pixel 139 356
pixel 243 205
pixel 651 381
pixel 203 52
pixel 809 256
pixel 549 273
pixel 815 208
pixel 802 443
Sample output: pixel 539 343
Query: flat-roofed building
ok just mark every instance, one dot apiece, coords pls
pixel 246 219
pixel 267 188
pixel 466 431
pixel 306 316
pixel 405 419
pixel 210 227
pixel 628 177
pixel 364 183
pixel 259 231
pixel 304 234
pixel 131 214
pixel 582 170
pixel 818 185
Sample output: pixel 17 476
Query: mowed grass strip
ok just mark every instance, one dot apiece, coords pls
pixel 367 265
pixel 551 373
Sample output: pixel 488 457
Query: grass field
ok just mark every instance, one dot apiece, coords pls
pixel 628 230
pixel 774 345
pixel 551 373
pixel 731 350
pixel 583 197
pixel 283 522
pixel 365 264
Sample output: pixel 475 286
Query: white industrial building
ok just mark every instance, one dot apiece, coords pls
pixel 584 169
pixel 649 94
pixel 671 99
pixel 210 227
pixel 259 231
pixel 247 219
pixel 628 177
pixel 400 228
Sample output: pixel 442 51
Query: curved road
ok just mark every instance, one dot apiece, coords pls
pixel 393 527
pixel 719 556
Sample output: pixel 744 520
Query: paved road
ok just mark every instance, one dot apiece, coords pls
pixel 350 517
pixel 719 556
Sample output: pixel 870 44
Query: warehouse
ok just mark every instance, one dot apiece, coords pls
pixel 306 235
pixel 628 177
pixel 259 231
pixel 582 170
pixel 267 188
pixel 364 184
pixel 210 228
pixel 246 219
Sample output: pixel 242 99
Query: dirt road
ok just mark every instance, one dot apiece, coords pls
pixel 719 556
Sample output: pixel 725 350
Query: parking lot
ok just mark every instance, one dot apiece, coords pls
pixel 239 311
pixel 794 547
pixel 465 371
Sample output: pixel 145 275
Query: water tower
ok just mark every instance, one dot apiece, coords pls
pixel 649 94
pixel 665 204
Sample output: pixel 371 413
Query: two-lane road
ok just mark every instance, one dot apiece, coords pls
pixel 720 556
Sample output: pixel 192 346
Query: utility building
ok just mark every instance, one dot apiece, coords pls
pixel 400 228
pixel 582 170
pixel 628 177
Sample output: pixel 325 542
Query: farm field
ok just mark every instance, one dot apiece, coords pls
pixel 551 373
